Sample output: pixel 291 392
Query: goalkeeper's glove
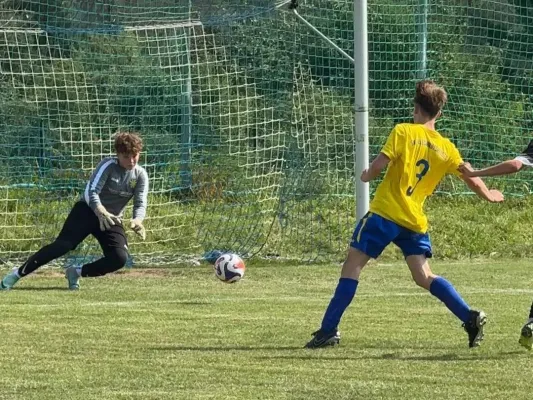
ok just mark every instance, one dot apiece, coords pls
pixel 106 219
pixel 137 226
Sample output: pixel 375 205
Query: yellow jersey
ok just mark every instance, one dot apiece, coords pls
pixel 419 159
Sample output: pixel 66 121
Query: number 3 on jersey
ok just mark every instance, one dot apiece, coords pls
pixel 425 168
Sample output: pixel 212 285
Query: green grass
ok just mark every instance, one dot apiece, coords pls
pixel 180 334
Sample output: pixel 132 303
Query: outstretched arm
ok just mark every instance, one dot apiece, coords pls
pixel 140 197
pixel 140 202
pixel 92 194
pixel 504 168
pixel 373 171
pixel 478 187
pixel 96 183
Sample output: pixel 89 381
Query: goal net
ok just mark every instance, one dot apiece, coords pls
pixel 246 114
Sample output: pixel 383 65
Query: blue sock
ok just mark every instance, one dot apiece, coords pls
pixel 341 300
pixel 445 292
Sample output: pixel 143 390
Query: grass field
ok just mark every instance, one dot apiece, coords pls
pixel 180 334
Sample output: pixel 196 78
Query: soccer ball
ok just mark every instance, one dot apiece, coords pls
pixel 229 268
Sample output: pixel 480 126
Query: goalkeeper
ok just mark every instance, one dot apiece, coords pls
pixel 99 213
pixel 508 167
pixel 417 157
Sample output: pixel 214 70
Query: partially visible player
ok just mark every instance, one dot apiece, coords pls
pixel 508 167
pixel 417 157
pixel 99 213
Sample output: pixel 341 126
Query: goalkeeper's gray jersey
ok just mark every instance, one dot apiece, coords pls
pixel 113 186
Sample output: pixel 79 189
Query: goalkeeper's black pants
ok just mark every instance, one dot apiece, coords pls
pixel 80 223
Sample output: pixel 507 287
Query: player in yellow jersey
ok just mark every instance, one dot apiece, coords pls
pixel 511 166
pixel 417 157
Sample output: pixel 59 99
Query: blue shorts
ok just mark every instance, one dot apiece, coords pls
pixel 373 233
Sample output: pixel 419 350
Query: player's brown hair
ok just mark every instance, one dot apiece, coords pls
pixel 128 143
pixel 430 97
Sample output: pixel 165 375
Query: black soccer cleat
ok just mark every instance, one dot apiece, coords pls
pixel 529 149
pixel 526 335
pixel 474 327
pixel 324 339
pixel 526 157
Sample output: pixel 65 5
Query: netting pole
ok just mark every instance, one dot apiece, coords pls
pixel 186 112
pixel 186 123
pixel 422 38
pixel 362 195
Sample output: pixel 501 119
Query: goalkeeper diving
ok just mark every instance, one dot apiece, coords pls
pixel 99 212
pixel 511 166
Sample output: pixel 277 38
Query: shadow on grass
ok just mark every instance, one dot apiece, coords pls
pixel 219 348
pixel 448 357
pixel 38 288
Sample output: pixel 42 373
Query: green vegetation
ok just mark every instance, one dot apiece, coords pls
pixel 247 118
pixel 248 125
pixel 316 229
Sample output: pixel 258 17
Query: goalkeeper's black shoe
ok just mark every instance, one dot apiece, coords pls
pixel 324 339
pixel 474 327
pixel 526 335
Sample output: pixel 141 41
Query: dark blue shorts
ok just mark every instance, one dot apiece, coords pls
pixel 373 233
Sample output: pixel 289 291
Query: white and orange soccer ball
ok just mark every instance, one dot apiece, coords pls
pixel 229 268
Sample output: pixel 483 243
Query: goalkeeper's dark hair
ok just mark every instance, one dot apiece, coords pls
pixel 128 143
pixel 430 97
